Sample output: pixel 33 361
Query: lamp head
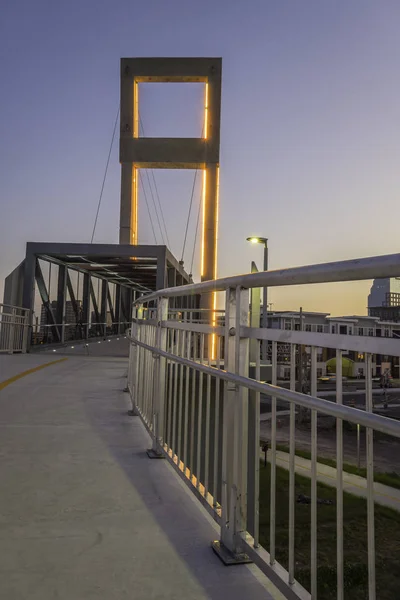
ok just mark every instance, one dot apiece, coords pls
pixel 256 239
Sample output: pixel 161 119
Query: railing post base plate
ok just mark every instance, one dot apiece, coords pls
pixel 228 557
pixel 151 453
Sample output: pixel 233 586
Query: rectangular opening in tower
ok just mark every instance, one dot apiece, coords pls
pixel 172 110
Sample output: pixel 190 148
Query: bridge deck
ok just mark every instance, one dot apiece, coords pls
pixel 83 512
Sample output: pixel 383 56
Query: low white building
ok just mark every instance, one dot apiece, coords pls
pixel 352 325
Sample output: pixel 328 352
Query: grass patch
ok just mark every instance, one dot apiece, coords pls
pixel 387 534
pixel 391 479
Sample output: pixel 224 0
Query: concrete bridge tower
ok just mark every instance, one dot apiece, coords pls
pixel 172 153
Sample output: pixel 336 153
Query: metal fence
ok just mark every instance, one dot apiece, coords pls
pixel 60 334
pixel 189 381
pixel 14 326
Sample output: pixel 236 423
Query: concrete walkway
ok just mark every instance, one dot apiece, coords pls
pixel 353 484
pixel 84 514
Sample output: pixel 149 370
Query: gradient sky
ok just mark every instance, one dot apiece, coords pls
pixel 310 142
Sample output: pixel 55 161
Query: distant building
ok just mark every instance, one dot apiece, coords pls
pixel 343 325
pixel 386 313
pixel 384 299
pixel 385 292
pixel 45 333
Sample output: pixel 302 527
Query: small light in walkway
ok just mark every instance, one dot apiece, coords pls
pixel 109 340
pixel 54 350
pixel 72 347
pixel 117 339
pixel 99 342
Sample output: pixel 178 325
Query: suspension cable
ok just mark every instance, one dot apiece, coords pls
pixel 188 217
pixel 197 229
pixel 159 204
pixel 157 195
pixel 105 175
pixel 190 205
pixel 155 206
pixel 147 204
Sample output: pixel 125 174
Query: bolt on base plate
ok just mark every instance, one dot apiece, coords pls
pixel 227 557
pixel 154 454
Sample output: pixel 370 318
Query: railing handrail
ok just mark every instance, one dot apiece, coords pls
pixel 13 307
pixel 374 267
pixel 355 343
pixel 340 411
pixel 76 324
pixel 192 386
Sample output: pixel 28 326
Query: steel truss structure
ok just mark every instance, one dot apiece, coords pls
pixel 79 291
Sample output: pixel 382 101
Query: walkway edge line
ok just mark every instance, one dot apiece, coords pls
pixel 7 382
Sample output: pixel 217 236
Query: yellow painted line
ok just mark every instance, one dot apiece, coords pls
pixel 321 474
pixel 7 382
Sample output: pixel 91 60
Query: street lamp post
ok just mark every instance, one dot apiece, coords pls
pixel 264 241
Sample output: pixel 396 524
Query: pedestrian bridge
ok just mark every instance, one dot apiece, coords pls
pixel 86 512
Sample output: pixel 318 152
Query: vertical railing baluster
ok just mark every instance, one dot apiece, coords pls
pixel 180 410
pixel 256 508
pixel 193 407
pixel 158 376
pixel 216 422
pixel 152 369
pixel 370 481
pixel 149 415
pixel 149 382
pixel 339 477
pixel 138 369
pixel 170 382
pixel 142 373
pixel 200 414
pixel 207 435
pixel 314 433
pixel 186 425
pixel 272 518
pixel 146 381
pixel 12 331
pixel 292 472
pixel 175 397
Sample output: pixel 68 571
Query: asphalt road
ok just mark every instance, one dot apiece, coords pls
pixel 356 398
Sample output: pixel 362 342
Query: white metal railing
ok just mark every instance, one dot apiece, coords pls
pixel 62 333
pixel 14 327
pixel 189 382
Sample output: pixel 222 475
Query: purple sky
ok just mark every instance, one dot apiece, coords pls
pixel 310 141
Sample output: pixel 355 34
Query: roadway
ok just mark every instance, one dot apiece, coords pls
pixel 352 396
